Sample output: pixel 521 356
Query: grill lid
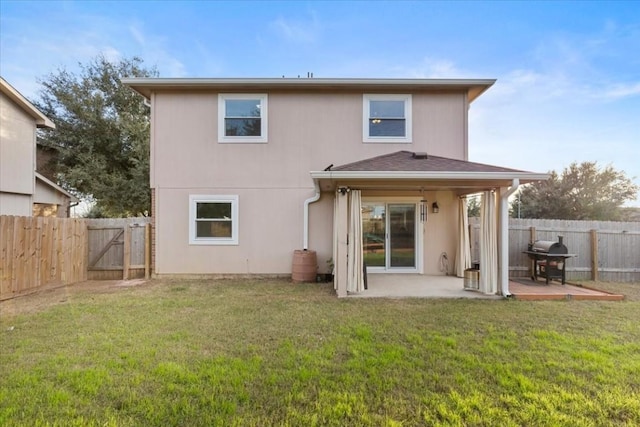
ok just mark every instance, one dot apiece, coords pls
pixel 549 247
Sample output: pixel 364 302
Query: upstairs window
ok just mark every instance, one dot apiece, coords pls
pixel 387 118
pixel 213 220
pixel 242 118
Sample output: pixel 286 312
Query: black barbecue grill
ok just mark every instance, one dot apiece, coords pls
pixel 549 259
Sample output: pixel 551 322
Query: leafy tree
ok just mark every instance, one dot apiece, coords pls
pixel 581 192
pixel 102 134
pixel 473 206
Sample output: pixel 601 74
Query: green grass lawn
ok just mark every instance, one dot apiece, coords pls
pixel 203 353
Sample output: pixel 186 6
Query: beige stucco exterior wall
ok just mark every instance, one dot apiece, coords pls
pixel 268 218
pixel 440 233
pixel 15 204
pixel 306 132
pixel 17 158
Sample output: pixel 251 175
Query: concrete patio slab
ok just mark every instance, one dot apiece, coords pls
pixel 421 286
pixel 416 286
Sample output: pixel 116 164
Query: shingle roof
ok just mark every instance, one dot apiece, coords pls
pixel 415 162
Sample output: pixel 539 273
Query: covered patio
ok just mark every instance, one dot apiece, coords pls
pixel 431 184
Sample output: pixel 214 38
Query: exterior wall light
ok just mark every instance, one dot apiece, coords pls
pixel 435 208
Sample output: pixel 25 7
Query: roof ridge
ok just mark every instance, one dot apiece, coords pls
pixel 476 163
pixel 405 160
pixel 370 159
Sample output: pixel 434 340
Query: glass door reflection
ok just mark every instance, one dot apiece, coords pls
pixel 389 235
pixel 374 231
pixel 402 235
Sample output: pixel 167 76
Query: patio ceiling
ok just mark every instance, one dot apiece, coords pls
pixel 405 170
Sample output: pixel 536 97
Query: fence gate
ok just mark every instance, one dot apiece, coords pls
pixel 117 248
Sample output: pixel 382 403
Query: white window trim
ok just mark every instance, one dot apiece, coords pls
pixel 222 138
pixel 193 200
pixel 366 98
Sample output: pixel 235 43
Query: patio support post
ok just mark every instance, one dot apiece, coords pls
pixel 340 260
pixel 503 237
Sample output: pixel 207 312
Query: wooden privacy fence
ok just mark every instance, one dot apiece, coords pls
pixel 40 251
pixel 37 252
pixel 608 251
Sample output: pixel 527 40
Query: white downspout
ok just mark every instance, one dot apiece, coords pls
pixel 504 237
pixel 314 198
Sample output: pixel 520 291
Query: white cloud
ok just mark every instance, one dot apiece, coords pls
pixel 620 90
pixel 590 67
pixel 302 31
pixel 576 99
pixel 153 50
pixel 31 51
pixel 431 68
pixel 210 64
pixel 111 54
pixel 137 35
pixel 31 57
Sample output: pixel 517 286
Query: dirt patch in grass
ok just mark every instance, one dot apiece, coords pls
pixel 631 291
pixel 46 298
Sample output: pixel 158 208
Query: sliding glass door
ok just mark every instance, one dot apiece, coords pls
pixel 389 233
pixel 402 236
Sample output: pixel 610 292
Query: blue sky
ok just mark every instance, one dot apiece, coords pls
pixel 568 73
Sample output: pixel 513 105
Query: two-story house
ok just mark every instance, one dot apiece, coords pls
pixel 24 191
pixel 362 171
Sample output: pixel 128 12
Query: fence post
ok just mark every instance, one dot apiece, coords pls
pixel 126 262
pixel 87 262
pixel 532 262
pixel 147 251
pixel 594 255
pixel 18 255
pixel 7 225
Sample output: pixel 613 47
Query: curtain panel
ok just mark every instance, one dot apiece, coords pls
pixel 488 244
pixel 355 277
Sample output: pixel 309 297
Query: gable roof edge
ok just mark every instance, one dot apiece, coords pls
pixel 12 93
pixel 56 187
pixel 147 85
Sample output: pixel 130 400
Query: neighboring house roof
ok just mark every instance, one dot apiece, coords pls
pixel 56 187
pixel 10 92
pixel 413 167
pixel 146 86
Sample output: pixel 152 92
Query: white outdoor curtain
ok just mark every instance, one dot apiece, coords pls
pixel 355 278
pixel 463 250
pixel 335 241
pixel 488 244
